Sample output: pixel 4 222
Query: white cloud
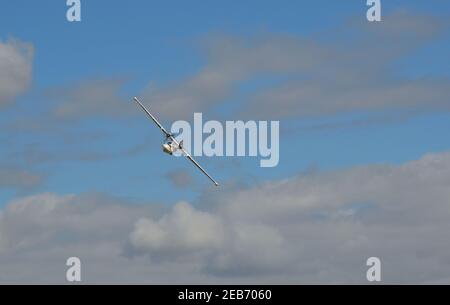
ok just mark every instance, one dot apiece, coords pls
pixel 39 219
pixel 18 178
pixel 314 228
pixel 356 74
pixel 93 98
pixel 232 61
pixel 321 227
pixel 180 178
pixel 182 231
pixel 351 72
pixel 16 63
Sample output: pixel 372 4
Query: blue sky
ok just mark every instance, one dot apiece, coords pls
pixel 161 42
pixel 364 163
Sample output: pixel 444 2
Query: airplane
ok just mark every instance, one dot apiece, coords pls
pixel 171 145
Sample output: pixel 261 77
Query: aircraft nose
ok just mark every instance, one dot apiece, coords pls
pixel 166 148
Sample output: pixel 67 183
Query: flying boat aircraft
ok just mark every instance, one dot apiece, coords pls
pixel 171 145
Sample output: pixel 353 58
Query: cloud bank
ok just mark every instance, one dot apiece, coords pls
pixel 313 228
pixel 304 76
pixel 310 77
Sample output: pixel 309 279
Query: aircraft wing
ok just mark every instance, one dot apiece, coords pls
pixel 167 134
pixel 196 164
